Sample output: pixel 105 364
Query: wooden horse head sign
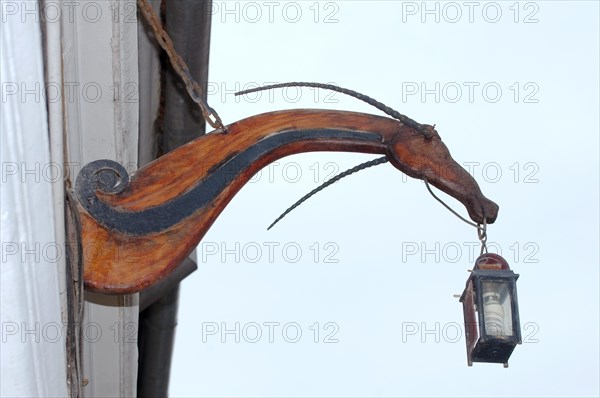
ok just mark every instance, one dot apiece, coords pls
pixel 142 228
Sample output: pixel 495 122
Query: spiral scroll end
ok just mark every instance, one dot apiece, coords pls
pixel 104 175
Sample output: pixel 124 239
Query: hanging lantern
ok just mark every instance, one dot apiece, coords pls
pixel 491 311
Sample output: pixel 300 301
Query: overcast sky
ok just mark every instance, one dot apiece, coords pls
pixel 366 270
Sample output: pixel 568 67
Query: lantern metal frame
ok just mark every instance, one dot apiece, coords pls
pixel 481 345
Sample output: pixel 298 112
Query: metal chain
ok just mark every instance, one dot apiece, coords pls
pixel 181 68
pixel 482 235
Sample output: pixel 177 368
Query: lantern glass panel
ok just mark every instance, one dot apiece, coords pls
pixel 497 311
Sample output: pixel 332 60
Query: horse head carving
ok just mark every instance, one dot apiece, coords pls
pixel 136 231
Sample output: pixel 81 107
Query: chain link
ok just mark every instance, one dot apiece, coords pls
pixel 181 68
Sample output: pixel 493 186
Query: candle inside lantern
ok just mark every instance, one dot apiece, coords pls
pixel 496 308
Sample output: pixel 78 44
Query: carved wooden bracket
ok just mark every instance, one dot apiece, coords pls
pixel 136 231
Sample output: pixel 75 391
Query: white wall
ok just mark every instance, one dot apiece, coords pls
pixel 33 334
pixel 91 76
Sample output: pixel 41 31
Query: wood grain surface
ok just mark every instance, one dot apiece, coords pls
pixel 119 263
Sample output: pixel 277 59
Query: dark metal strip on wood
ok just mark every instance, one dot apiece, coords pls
pixel 110 177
